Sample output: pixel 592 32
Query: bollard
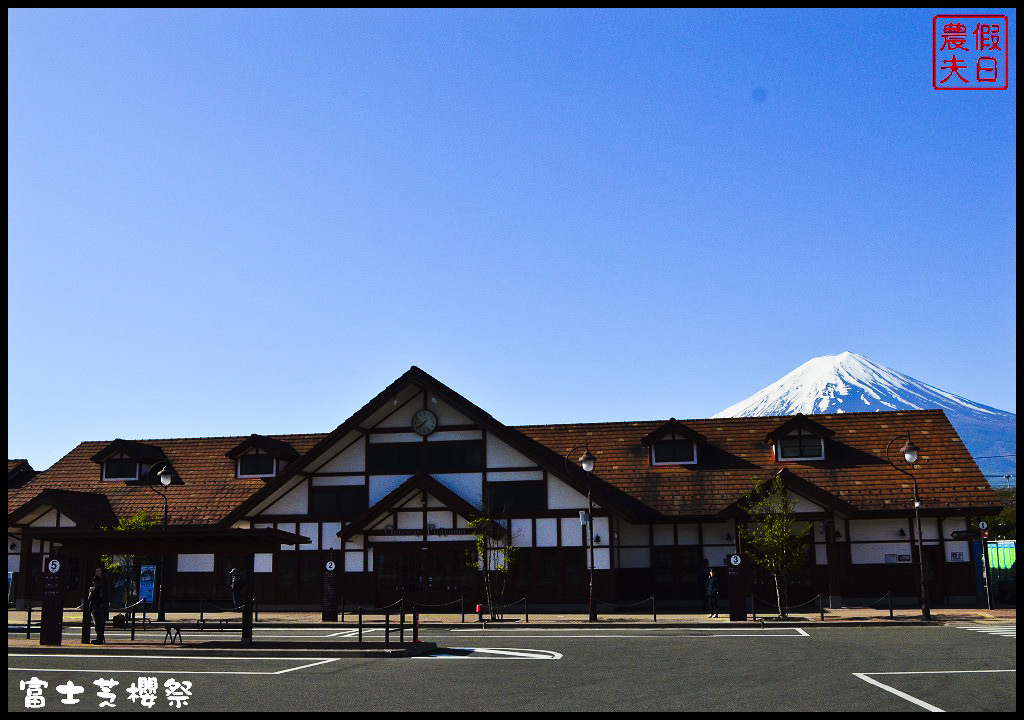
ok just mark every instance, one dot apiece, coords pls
pixel 387 630
pixel 821 608
pixel 415 626
pixel 360 626
pixel 479 613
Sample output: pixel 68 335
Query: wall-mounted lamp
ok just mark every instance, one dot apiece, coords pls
pixel 839 535
pixel 903 533
pixel 728 537
pixel 597 539
pixel 821 528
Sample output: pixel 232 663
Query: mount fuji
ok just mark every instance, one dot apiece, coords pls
pixel 852 383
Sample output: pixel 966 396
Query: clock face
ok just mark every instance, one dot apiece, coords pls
pixel 424 422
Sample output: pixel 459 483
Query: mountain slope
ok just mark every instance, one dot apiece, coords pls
pixel 852 383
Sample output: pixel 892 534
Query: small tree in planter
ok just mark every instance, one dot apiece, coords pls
pixel 124 565
pixel 769 538
pixel 494 556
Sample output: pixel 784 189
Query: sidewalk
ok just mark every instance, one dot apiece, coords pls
pixel 229 643
pixel 276 618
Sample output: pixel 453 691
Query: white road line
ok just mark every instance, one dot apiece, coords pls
pixel 899 693
pixel 496 654
pixel 911 698
pixel 799 632
pixel 314 663
pixel 303 667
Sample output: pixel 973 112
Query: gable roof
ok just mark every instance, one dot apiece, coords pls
pixel 86 509
pixel 19 472
pixel 798 421
pixel 272 446
pixel 138 451
pixel 543 455
pixel 677 427
pixel 417 483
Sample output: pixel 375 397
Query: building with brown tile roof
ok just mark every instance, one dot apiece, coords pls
pixel 389 495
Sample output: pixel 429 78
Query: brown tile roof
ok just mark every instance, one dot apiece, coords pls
pixel 854 472
pixel 855 469
pixel 207 492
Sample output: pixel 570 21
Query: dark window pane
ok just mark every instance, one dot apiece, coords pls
pixel 516 499
pixel 122 469
pixel 455 456
pixel 448 456
pixel 677 450
pixel 341 502
pixel 394 458
pixel 256 465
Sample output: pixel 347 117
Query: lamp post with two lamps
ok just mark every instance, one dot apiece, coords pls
pixel 587 461
pixel 910 453
pixel 166 477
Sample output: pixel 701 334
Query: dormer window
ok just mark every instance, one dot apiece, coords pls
pixel 261 457
pixel 673 444
pixel 801 444
pixel 122 469
pixel 673 449
pixel 257 465
pixel 127 460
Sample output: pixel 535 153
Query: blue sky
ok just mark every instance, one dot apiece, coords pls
pixel 228 222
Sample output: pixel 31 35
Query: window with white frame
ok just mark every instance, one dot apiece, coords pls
pixel 257 465
pixel 801 444
pixel 121 468
pixel 673 449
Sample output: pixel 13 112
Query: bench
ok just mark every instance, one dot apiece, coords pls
pixel 220 623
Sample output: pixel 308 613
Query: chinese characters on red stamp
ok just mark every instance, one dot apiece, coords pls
pixel 970 52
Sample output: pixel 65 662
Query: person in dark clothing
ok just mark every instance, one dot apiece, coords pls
pixel 235 583
pixel 711 591
pixel 98 608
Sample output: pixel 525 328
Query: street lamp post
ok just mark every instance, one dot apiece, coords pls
pixel 166 476
pixel 910 453
pixel 587 461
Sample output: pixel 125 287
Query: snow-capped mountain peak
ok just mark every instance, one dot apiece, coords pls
pixel 848 383
pixel 851 383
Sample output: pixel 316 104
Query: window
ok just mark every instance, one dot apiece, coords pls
pixel 447 456
pixel 673 449
pixel 256 465
pixel 121 469
pixel 516 499
pixel 801 445
pixel 340 502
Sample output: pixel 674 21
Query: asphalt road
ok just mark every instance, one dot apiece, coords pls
pixel 869 669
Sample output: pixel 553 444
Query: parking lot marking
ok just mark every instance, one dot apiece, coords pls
pixel 493 654
pixel 899 693
pixel 313 662
pixel 706 634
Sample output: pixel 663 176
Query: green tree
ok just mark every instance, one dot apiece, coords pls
pixel 494 556
pixel 125 564
pixel 769 535
pixel 1003 526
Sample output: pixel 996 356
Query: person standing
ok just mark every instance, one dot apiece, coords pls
pixel 711 592
pixel 98 608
